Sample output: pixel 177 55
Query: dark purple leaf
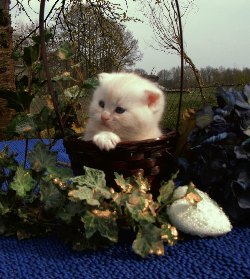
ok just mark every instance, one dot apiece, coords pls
pixel 241 187
pixel 247 92
pixel 225 99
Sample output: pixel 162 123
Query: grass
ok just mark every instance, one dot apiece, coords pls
pixel 189 100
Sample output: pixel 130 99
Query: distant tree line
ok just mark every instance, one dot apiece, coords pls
pixel 100 42
pixel 210 76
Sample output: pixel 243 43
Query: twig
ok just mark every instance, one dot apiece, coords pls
pixel 37 27
pixel 46 66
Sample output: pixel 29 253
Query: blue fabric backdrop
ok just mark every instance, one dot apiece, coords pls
pixel 224 257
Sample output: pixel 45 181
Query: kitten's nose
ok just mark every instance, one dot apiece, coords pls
pixel 105 116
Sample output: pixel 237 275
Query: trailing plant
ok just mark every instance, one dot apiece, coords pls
pixel 82 210
pixel 70 87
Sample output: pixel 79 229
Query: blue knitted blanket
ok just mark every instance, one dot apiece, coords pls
pixel 224 257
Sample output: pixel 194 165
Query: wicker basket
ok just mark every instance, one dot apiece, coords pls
pixel 153 158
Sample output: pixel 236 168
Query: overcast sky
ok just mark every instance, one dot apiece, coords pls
pixel 216 33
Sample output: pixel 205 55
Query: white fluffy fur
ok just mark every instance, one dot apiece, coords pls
pixel 142 100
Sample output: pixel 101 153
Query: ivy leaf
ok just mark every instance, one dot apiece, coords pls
pixel 4 208
pixel 138 205
pixel 148 241
pixel 70 210
pixel 65 76
pixel 91 186
pixel 25 126
pixel 19 101
pixel 84 193
pixel 92 178
pixel 169 234
pixel 41 158
pixel 43 161
pixel 23 182
pixel 166 190
pixel 45 119
pixel 64 174
pixel 21 124
pixel 8 161
pixel 123 183
pixel 128 184
pixel 192 196
pixel 72 92
pixel 90 83
pixel 102 221
pixel 146 216
pixel 50 195
pixel 142 183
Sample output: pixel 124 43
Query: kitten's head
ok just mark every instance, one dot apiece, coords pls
pixel 128 105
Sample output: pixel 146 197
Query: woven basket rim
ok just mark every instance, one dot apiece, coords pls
pixel 73 141
pixel 166 134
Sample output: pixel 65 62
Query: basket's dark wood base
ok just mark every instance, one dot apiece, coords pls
pixel 153 158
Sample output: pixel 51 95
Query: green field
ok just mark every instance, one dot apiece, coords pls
pixel 190 99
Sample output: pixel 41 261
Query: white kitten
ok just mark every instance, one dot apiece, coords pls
pixel 125 107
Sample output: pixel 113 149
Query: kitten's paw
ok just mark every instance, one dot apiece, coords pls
pixel 106 140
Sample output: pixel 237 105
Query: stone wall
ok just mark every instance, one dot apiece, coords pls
pixel 7 68
pixel 7 78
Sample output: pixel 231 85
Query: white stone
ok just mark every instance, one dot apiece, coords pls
pixel 204 219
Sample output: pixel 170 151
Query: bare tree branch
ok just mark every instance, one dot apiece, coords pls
pixel 164 19
pixel 46 66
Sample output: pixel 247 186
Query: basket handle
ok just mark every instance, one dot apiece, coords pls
pixel 182 64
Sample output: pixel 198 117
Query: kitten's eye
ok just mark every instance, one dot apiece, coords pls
pixel 101 104
pixel 120 110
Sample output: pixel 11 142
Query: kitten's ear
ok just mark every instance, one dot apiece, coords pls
pixel 153 99
pixel 103 76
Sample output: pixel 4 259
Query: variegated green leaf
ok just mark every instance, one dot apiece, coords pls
pixel 70 210
pixel 51 196
pixel 92 178
pixel 166 191
pixel 148 241
pixel 41 158
pixel 91 185
pixel 23 182
pixel 100 221
pixel 84 193
pixel 123 183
